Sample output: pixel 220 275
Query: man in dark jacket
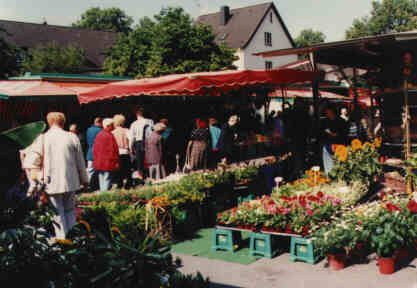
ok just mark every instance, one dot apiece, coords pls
pixel 228 136
pixel 334 131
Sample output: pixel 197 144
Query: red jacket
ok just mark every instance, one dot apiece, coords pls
pixel 105 152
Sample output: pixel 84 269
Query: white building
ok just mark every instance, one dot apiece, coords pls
pixel 252 29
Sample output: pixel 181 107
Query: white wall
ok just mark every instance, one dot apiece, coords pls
pixel 240 63
pixel 257 44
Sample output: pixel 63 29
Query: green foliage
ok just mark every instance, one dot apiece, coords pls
pixel 108 19
pixel 361 164
pixel 96 254
pixel 170 44
pixel 387 16
pixel 52 58
pixel 9 55
pixel 308 37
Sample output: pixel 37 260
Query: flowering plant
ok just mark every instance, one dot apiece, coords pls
pixel 287 214
pixel 357 162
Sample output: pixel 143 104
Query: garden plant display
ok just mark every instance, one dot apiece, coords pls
pixel 293 215
pixel 357 162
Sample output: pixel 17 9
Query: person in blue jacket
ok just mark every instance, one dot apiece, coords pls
pixel 90 137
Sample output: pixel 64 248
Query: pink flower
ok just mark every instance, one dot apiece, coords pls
pixel 309 212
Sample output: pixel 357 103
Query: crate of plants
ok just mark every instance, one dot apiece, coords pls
pixel 290 215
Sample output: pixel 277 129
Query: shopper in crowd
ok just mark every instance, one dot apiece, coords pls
pixel 154 152
pixel 215 135
pixel 138 131
pixel 199 146
pixel 121 134
pixel 334 131
pixel 91 135
pixel 227 139
pixel 106 155
pixel 64 170
pixel 299 132
pixel 168 146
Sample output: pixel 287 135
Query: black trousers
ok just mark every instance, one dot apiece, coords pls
pixel 124 172
pixel 140 156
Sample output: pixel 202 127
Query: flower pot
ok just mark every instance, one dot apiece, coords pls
pixel 386 265
pixel 336 262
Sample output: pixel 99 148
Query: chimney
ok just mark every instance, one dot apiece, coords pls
pixel 224 15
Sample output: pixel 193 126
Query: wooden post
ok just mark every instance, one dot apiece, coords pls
pixel 355 97
pixel 407 136
pixel 316 96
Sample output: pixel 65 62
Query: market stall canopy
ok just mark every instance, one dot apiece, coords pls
pixel 32 88
pixel 203 83
pixel 360 53
pixel 305 93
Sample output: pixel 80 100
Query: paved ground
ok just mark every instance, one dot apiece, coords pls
pixel 280 272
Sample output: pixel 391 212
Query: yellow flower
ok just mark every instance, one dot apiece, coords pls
pixel 87 226
pixel 115 229
pixel 378 142
pixel 64 242
pixel 356 145
pixel 341 152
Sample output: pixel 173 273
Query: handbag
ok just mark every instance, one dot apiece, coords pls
pixel 187 165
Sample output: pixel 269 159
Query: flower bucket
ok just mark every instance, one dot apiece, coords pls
pixel 386 265
pixel 336 262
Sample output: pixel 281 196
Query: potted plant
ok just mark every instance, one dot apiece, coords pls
pixel 387 236
pixel 336 241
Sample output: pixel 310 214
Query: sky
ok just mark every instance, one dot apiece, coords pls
pixel 332 17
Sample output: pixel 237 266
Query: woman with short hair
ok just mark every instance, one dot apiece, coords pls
pixel 154 154
pixel 122 138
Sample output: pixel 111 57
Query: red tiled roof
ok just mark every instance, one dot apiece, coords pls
pixel 242 25
pixel 29 35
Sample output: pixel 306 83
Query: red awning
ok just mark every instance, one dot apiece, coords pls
pixel 33 88
pixel 306 93
pixel 203 83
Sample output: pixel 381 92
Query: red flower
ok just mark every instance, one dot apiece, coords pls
pixel 312 198
pixel 391 207
pixel 360 222
pixel 302 201
pixel 320 194
pixel 412 206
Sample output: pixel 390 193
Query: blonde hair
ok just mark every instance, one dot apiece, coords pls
pixel 57 118
pixel 73 127
pixel 119 120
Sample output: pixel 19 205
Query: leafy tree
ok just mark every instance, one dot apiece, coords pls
pixel 9 55
pixel 111 19
pixel 387 16
pixel 52 58
pixel 309 37
pixel 169 44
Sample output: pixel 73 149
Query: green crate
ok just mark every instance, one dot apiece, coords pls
pixel 223 239
pixel 302 249
pixel 262 244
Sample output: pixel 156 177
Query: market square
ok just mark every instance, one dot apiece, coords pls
pixel 208 144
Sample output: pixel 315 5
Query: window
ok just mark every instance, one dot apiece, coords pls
pixel 270 17
pixel 268 39
pixel 268 65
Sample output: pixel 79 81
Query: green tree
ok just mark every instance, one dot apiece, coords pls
pixel 388 16
pixel 9 55
pixel 169 44
pixel 308 37
pixel 52 58
pixel 110 19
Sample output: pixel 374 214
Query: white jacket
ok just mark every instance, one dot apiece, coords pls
pixel 63 162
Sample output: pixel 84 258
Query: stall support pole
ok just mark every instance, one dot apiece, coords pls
pixel 315 86
pixel 407 136
pixel 355 96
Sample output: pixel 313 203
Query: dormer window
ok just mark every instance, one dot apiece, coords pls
pixel 268 65
pixel 268 39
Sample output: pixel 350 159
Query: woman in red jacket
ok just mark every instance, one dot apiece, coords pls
pixel 106 155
